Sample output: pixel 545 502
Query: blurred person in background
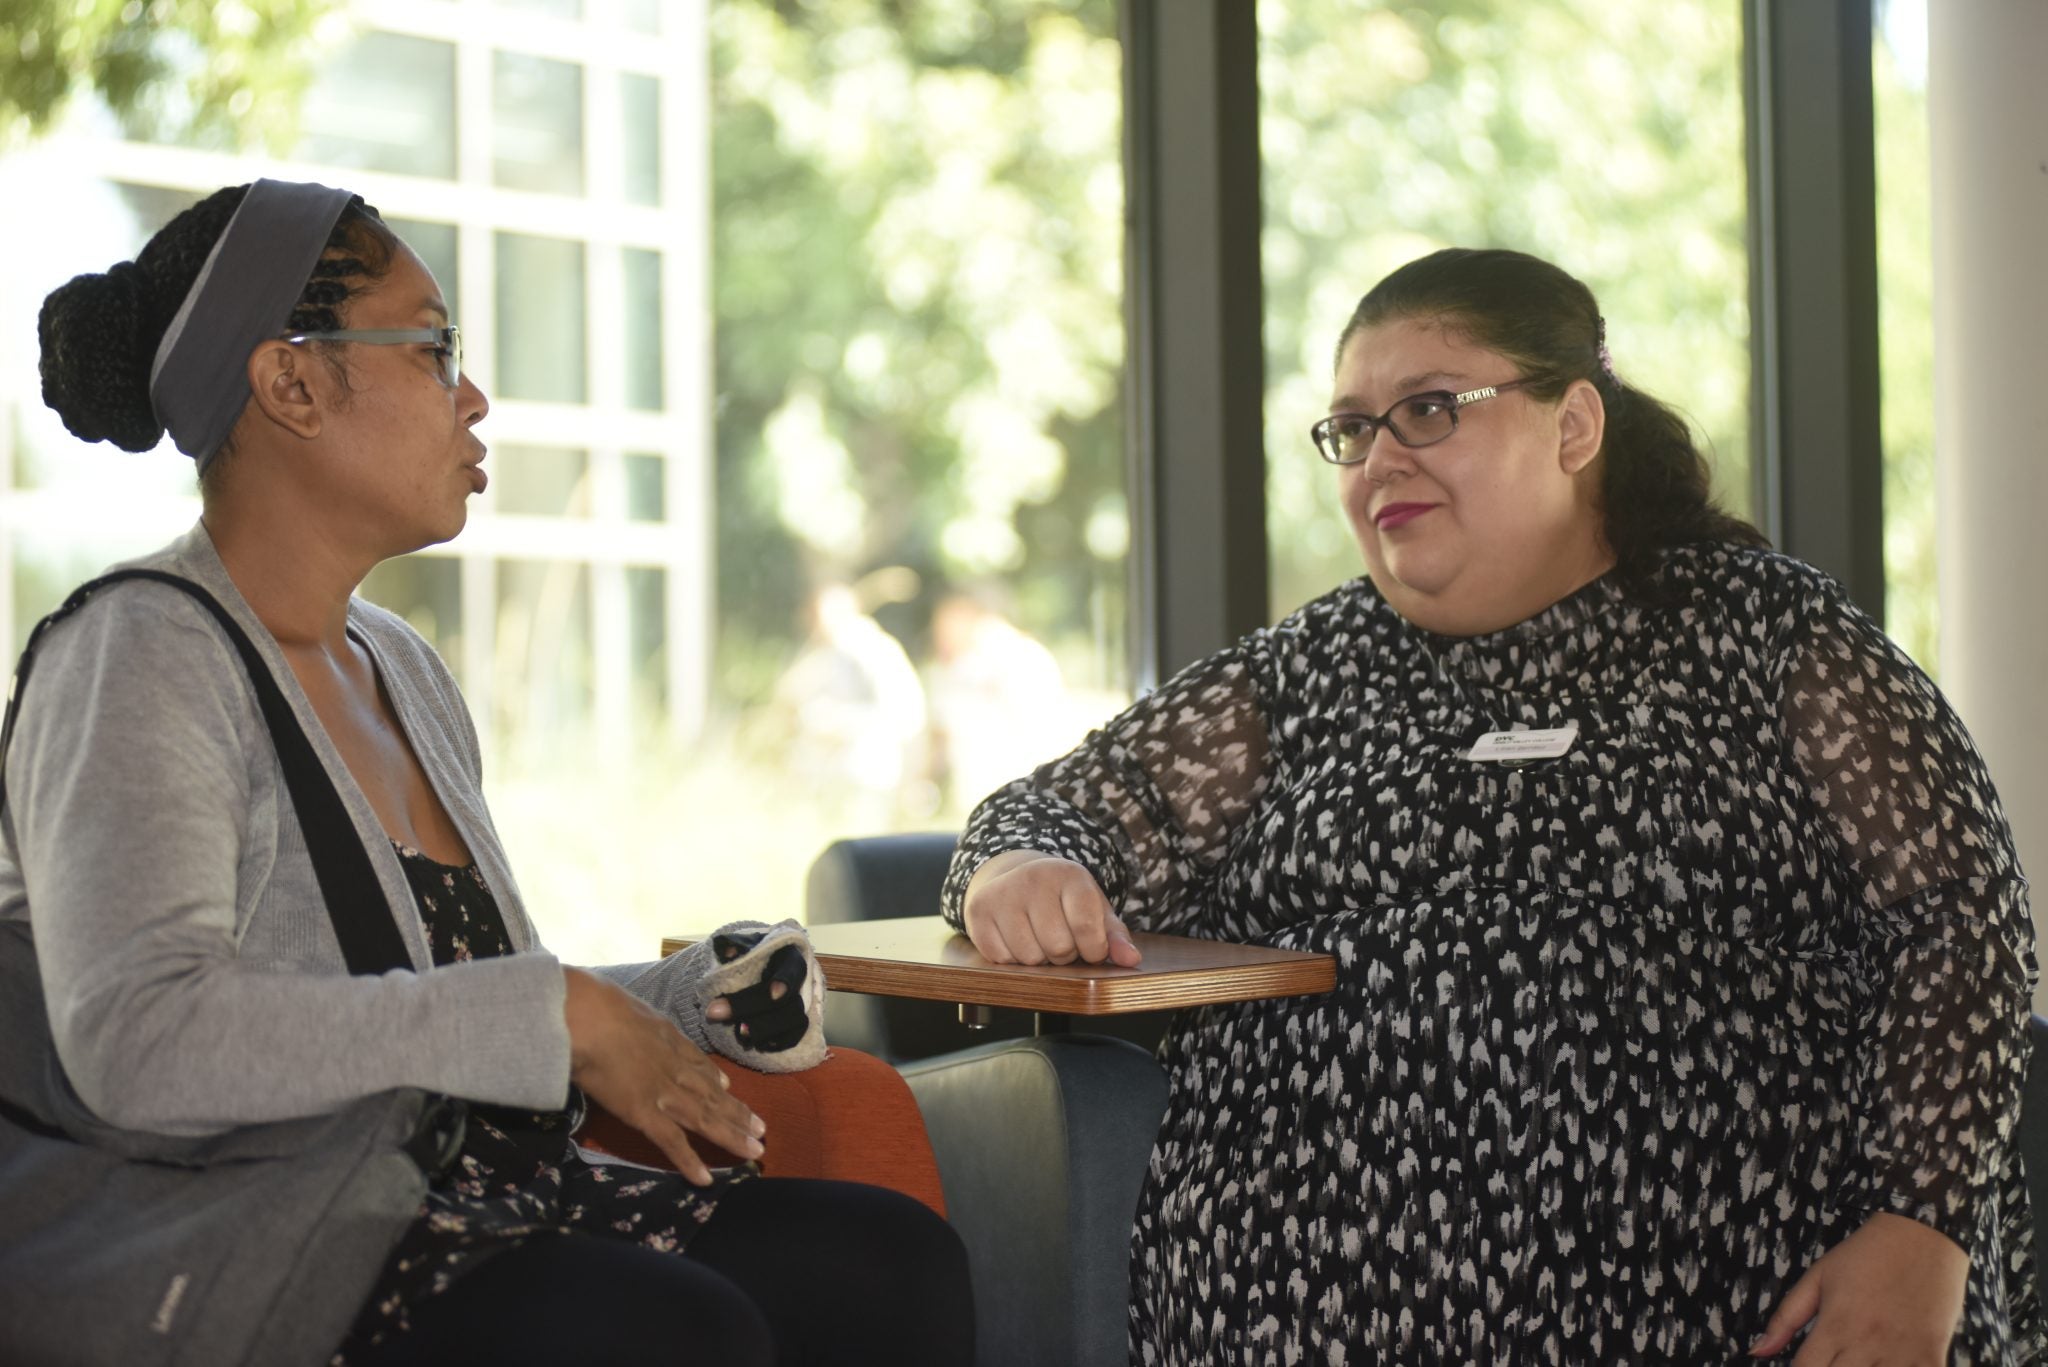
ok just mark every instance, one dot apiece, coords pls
pixel 999 706
pixel 856 712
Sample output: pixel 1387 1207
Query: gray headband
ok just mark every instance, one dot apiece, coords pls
pixel 199 383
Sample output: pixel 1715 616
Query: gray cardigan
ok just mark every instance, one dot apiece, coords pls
pixel 163 936
pixel 192 976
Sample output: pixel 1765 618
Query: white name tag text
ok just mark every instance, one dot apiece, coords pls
pixel 1517 746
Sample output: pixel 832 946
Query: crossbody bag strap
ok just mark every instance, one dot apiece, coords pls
pixel 370 942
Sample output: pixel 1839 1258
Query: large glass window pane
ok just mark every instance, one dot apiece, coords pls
pixel 646 488
pixel 647 598
pixel 841 545
pixel 643 16
pixel 541 481
pixel 436 245
pixel 543 668
pixel 541 337
pixel 640 138
pixel 1905 314
pixel 553 9
pixel 385 102
pixel 917 276
pixel 537 115
pixel 426 590
pixel 643 328
pixel 1604 135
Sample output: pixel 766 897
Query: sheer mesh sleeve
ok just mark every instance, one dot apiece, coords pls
pixel 1946 931
pixel 1148 804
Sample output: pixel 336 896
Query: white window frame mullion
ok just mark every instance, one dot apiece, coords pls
pixel 476 266
pixel 684 100
pixel 605 327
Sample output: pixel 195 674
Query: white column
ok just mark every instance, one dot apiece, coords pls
pixel 1988 115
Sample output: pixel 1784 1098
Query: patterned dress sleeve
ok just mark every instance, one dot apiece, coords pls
pixel 1148 804
pixel 1945 931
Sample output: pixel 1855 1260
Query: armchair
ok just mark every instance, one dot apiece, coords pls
pixel 1041 1143
pixel 811 1116
pixel 1090 1111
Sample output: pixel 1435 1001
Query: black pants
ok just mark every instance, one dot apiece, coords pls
pixel 787 1273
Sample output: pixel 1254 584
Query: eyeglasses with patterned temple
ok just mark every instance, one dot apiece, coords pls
pixel 447 343
pixel 1418 420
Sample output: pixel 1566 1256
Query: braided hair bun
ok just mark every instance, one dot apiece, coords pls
pixel 99 333
pixel 97 351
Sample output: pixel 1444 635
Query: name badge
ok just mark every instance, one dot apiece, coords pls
pixel 1517 746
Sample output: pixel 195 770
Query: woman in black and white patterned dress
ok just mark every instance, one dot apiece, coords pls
pixel 1687 1022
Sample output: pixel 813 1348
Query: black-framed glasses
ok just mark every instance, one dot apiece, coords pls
pixel 1418 420
pixel 447 343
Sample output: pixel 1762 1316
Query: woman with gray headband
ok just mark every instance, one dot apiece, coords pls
pixel 202 980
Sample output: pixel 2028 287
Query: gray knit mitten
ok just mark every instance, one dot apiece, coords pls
pixel 741 962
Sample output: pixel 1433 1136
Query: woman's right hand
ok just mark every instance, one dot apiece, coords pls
pixel 1023 907
pixel 631 1059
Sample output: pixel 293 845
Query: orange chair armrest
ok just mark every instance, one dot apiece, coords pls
pixel 850 1119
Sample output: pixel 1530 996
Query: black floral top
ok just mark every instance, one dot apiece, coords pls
pixel 517 1174
pixel 1623 1039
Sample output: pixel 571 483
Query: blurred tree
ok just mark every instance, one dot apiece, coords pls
pixel 209 71
pixel 918 282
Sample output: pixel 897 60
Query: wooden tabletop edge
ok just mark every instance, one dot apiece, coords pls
pixel 1078 996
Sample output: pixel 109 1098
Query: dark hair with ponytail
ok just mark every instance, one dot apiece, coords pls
pixel 1655 491
pixel 99 333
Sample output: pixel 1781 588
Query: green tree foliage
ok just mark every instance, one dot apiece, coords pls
pixel 1607 137
pixel 213 71
pixel 918 278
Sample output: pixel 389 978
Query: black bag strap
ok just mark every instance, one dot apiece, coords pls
pixel 363 923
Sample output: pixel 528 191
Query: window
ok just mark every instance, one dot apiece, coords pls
pixel 1605 137
pixel 803 334
pixel 543 349
pixel 640 145
pixel 386 102
pixel 537 123
pixel 916 280
pixel 1905 303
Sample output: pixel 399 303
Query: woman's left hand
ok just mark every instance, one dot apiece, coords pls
pixel 1890 1292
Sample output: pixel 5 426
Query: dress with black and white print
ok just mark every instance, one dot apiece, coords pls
pixel 517 1176
pixel 1622 1040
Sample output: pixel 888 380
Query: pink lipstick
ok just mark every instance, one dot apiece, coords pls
pixel 1399 514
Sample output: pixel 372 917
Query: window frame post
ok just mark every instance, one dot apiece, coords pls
pixel 1818 456
pixel 1194 310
